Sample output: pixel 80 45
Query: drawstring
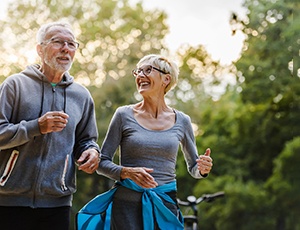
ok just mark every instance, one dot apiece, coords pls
pixel 65 95
pixel 43 91
pixel 65 99
pixel 43 96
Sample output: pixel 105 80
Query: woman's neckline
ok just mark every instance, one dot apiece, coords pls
pixel 153 130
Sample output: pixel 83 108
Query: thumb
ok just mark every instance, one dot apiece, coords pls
pixel 82 157
pixel 207 152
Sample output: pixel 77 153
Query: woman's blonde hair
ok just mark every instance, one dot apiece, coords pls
pixel 163 64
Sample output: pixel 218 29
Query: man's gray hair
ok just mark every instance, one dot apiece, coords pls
pixel 42 32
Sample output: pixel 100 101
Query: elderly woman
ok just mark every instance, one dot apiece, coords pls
pixel 148 134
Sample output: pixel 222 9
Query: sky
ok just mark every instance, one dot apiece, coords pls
pixel 196 22
pixel 204 22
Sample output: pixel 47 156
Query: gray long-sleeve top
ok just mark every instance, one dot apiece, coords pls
pixel 140 147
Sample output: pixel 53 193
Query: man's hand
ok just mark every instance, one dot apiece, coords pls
pixel 89 161
pixel 54 121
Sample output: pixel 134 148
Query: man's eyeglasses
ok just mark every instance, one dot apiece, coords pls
pixel 146 70
pixel 58 43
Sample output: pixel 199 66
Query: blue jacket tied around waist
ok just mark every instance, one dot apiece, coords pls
pixel 91 216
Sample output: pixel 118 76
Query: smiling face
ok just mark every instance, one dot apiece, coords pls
pixel 150 80
pixel 56 59
pixel 166 69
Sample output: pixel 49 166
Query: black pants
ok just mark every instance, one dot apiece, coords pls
pixel 25 218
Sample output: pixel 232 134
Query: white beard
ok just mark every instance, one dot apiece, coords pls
pixel 60 67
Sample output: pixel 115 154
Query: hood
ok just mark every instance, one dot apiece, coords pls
pixel 34 72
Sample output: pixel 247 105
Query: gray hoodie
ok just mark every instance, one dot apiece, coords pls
pixel 39 170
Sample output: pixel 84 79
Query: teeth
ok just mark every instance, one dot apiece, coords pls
pixel 144 83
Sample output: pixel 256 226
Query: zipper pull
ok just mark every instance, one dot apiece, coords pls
pixel 53 86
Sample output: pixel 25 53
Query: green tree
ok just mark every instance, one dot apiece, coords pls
pixel 284 186
pixel 254 121
pixel 269 89
pixel 113 35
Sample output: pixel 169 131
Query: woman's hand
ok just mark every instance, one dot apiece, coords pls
pixel 204 163
pixel 140 175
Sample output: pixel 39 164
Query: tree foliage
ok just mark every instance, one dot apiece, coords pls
pixel 254 122
pixel 113 35
pixel 252 129
pixel 269 88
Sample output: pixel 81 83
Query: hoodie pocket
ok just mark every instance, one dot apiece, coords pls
pixel 9 167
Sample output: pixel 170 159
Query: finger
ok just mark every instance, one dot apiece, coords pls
pixel 87 167
pixel 59 124
pixel 64 115
pixel 82 160
pixel 151 182
pixel 149 177
pixel 59 120
pixel 148 184
pixel 84 157
pixel 207 152
pixel 148 170
pixel 93 168
pixel 60 114
pixel 89 171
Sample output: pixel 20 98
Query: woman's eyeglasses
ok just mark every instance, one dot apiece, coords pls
pixel 146 70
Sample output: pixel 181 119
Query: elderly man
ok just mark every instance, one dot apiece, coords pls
pixel 47 126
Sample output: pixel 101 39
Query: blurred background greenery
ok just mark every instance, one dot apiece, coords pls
pixel 253 128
